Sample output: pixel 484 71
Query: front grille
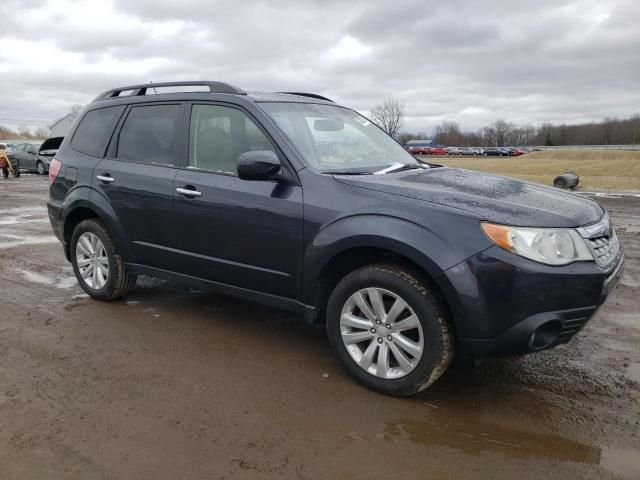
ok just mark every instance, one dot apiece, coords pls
pixel 602 241
pixel 605 249
pixel 570 328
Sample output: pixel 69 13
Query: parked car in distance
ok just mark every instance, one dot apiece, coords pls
pixel 494 152
pixel 26 155
pixel 419 150
pixel 452 150
pixel 404 263
pixel 467 151
pixel 437 151
pixel 46 153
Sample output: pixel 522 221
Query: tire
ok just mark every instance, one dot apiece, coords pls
pixel 40 170
pixel 5 172
pixel 16 173
pixel 117 281
pixel 432 331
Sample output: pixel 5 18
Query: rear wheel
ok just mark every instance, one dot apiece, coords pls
pixel 5 172
pixel 389 330
pixel 96 263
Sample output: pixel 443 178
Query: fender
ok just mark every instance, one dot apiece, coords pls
pixel 429 250
pixel 87 197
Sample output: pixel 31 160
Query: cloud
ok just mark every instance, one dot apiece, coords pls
pixel 528 62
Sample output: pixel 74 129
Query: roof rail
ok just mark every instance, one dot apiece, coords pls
pixel 311 95
pixel 140 90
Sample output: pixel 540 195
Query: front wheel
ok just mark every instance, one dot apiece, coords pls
pixel 96 263
pixel 40 170
pixel 389 330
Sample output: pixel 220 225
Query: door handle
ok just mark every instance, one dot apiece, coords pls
pixel 188 192
pixel 105 178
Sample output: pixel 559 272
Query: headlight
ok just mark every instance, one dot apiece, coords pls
pixel 553 246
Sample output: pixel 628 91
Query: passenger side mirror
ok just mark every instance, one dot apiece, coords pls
pixel 258 165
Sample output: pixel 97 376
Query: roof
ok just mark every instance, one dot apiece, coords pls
pixel 214 87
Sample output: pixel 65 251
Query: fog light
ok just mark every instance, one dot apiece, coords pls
pixel 545 335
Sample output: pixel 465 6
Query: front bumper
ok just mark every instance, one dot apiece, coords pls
pixel 507 305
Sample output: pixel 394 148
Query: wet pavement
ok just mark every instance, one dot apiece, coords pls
pixel 173 383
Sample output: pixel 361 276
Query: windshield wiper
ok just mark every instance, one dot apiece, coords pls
pixel 346 172
pixel 399 167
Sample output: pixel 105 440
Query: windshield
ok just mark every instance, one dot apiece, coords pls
pixel 333 139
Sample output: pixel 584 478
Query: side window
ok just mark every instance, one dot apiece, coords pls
pixel 20 147
pixel 93 133
pixel 219 135
pixel 149 134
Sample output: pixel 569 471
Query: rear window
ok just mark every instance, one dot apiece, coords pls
pixel 149 134
pixel 93 133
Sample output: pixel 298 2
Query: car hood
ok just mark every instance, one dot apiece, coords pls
pixel 497 199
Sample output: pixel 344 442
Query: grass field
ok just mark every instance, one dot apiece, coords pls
pixel 606 170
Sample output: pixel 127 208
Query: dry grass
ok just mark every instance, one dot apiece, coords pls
pixel 608 169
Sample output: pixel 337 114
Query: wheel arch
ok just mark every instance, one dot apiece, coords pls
pixel 80 209
pixel 326 264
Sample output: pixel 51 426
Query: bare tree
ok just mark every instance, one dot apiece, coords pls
pixel 75 109
pixel 448 133
pixel 389 116
pixel 41 132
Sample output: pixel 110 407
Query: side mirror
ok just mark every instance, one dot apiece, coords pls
pixel 258 165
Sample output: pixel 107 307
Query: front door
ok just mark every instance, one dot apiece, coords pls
pixel 242 233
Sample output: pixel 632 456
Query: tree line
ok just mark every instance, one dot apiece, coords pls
pixel 610 131
pixel 389 116
pixel 23 133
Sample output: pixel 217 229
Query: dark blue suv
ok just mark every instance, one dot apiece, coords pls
pixel 293 201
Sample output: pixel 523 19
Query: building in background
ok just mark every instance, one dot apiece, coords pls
pixel 420 143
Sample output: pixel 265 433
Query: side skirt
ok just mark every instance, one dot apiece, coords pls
pixel 307 312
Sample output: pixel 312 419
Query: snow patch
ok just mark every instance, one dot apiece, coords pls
pixel 58 282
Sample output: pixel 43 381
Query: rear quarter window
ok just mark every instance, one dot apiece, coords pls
pixel 93 133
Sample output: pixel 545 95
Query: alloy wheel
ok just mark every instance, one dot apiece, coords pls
pixel 92 260
pixel 382 333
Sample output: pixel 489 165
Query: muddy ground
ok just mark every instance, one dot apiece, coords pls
pixel 175 383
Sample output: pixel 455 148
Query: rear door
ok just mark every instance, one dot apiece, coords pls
pixel 28 159
pixel 137 177
pixel 237 232
pixel 18 155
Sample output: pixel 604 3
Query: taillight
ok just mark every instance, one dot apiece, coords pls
pixel 54 170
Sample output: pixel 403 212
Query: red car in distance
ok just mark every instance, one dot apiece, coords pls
pixel 438 151
pixel 419 150
pixel 427 151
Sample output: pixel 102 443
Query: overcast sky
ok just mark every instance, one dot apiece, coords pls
pixel 472 61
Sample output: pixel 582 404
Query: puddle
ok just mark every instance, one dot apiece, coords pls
pixel 476 439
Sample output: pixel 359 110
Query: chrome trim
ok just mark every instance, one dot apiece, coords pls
pixel 191 193
pixel 615 271
pixel 102 178
pixel 602 228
